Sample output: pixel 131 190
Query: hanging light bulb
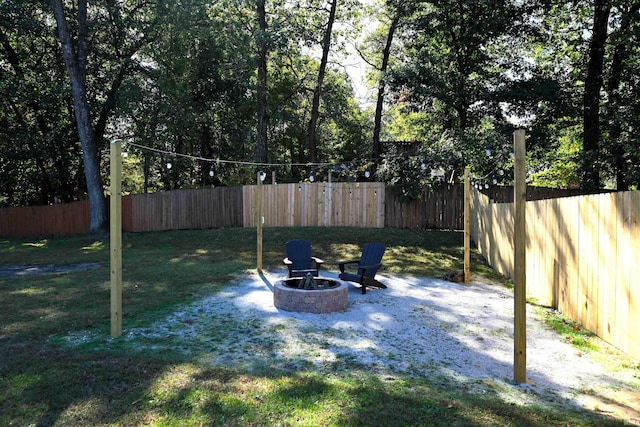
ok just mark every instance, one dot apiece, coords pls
pixel 312 176
pixel 169 164
pixel 501 172
pixel 486 185
pixel 488 151
pixel 495 180
pixel 262 175
pixel 367 173
pixel 423 165
pixel 211 171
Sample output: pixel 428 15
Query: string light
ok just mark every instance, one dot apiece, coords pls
pixel 169 164
pixel 262 175
pixel 235 162
pixel 211 171
pixel 488 151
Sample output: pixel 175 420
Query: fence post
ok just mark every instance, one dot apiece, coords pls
pixel 259 218
pixel 115 237
pixel 467 226
pixel 519 260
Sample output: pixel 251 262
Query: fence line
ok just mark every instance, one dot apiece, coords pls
pixel 304 204
pixel 582 253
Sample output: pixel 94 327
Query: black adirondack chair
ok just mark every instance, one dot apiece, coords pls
pixel 367 267
pixel 299 260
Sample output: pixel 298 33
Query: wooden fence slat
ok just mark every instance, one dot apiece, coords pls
pixel 634 266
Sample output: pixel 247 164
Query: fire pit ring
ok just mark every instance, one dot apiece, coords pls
pixel 330 295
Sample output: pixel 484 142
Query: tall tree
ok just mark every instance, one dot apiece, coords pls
pixel 317 92
pixel 592 89
pixel 75 58
pixel 263 112
pixel 397 12
pixel 624 49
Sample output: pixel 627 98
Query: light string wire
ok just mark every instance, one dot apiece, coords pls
pixel 236 162
pixel 267 165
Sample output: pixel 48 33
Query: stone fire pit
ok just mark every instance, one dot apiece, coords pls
pixel 318 295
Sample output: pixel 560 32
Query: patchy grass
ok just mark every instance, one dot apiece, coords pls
pixel 45 384
pixel 573 332
pixel 587 342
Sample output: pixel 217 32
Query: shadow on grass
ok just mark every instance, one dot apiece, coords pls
pixel 43 384
pixel 57 387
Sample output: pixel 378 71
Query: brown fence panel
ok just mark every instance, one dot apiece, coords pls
pixel 504 193
pixel 183 209
pixel 70 219
pixel 439 208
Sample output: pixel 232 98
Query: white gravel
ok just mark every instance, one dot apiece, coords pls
pixel 423 327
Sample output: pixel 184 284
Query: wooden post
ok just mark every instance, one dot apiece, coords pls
pixel 519 261
pixel 467 226
pixel 115 232
pixel 259 219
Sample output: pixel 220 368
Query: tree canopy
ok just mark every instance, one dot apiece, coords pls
pixel 239 86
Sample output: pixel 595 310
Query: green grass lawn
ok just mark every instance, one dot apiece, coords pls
pixel 45 383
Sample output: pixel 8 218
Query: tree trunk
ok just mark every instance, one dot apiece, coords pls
pixel 592 86
pixel 376 148
pixel 617 148
pixel 315 108
pixel 263 112
pixel 621 54
pixel 75 59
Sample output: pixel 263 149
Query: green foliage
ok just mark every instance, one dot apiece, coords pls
pixel 181 77
pixel 558 168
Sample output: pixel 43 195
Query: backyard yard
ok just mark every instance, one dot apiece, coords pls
pixel 203 343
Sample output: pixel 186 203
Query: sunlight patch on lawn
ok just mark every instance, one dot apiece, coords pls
pixel 40 244
pixel 95 246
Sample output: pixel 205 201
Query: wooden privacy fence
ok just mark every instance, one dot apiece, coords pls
pixel 316 205
pixel 583 254
pixel 183 209
pixel 69 219
pixel 170 210
pixel 440 208
pixel 365 204
pixel 284 205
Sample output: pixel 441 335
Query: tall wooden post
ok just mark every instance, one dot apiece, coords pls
pixel 259 219
pixel 519 260
pixel 115 232
pixel 467 226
